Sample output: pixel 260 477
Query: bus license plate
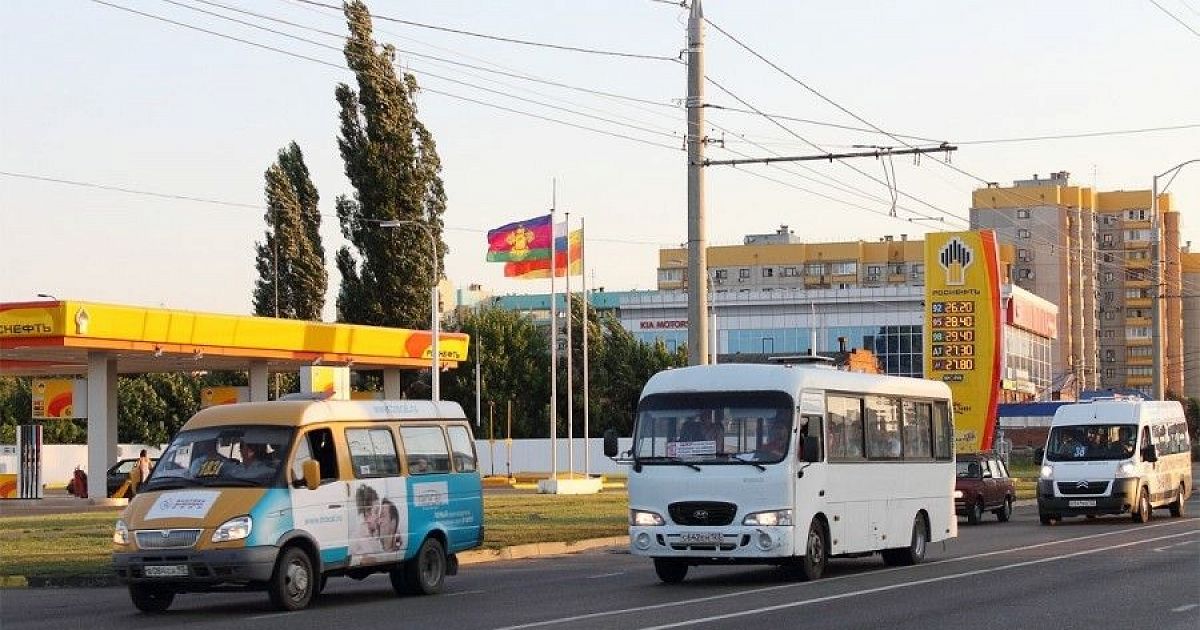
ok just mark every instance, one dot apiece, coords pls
pixel 701 538
pixel 166 570
pixel 1082 503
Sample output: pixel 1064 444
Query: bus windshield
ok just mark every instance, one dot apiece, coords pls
pixel 713 428
pixel 1091 442
pixel 222 456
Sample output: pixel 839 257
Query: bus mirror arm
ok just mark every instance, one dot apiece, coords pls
pixel 800 473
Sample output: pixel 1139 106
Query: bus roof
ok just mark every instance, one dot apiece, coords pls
pixel 304 412
pixel 791 379
pixel 1127 411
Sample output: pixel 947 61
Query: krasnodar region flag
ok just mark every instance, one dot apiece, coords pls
pixel 521 240
pixel 567 258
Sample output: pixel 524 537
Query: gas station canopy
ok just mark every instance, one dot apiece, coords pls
pixel 53 338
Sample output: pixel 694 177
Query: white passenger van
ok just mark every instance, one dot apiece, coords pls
pixel 1115 456
pixel 280 496
pixel 788 465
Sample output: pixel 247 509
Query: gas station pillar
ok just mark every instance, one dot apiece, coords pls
pixel 102 421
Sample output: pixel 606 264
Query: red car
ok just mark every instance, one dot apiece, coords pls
pixel 982 485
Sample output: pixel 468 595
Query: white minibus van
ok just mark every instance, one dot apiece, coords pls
pixel 1115 456
pixel 788 465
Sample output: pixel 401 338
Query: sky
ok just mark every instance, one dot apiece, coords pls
pixel 91 93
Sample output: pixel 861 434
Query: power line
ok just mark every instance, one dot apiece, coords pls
pixel 131 191
pixel 510 40
pixel 820 123
pixel 1088 134
pixel 1176 18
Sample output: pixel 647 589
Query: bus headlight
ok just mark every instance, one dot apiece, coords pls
pixel 1047 472
pixel 120 533
pixel 645 518
pixel 1127 469
pixel 235 528
pixel 769 518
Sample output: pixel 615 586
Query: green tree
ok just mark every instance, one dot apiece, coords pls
pixel 291 260
pixel 394 167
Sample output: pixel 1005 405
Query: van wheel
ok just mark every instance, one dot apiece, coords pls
pixel 1178 508
pixel 151 599
pixel 425 574
pixel 1005 511
pixel 293 583
pixel 975 514
pixel 1047 519
pixel 914 553
pixel 670 570
pixel 1141 513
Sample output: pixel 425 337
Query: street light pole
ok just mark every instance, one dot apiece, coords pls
pixel 1156 264
pixel 435 377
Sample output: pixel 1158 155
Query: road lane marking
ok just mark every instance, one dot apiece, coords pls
pixel 271 616
pixel 474 592
pixel 893 587
pixel 1186 542
pixel 1185 607
pixel 767 589
pixel 604 575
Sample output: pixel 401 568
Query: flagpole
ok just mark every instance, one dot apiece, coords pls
pixel 587 460
pixel 553 343
pixel 570 351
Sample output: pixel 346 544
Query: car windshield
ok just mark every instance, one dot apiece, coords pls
pixel 714 428
pixel 1091 442
pixel 222 456
pixel 969 469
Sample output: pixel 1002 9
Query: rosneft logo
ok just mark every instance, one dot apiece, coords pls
pixel 955 257
pixel 25 330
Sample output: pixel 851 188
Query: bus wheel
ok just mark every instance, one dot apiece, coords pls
pixel 293 583
pixel 1178 508
pixel 425 574
pixel 1141 513
pixel 151 599
pixel 670 570
pixel 914 553
pixel 816 552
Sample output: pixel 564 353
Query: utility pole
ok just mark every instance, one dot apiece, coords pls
pixel 1156 266
pixel 697 229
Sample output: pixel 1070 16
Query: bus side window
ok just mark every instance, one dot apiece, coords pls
pixel 811 431
pixel 943 431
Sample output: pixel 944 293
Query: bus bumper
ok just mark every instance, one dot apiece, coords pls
pixel 731 544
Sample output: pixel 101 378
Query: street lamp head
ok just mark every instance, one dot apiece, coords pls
pixel 47 296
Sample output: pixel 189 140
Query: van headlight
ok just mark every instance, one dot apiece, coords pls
pixel 235 528
pixel 769 518
pixel 121 533
pixel 1047 472
pixel 645 518
pixel 1127 469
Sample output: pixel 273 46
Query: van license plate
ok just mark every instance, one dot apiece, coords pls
pixel 166 570
pixel 1082 503
pixel 701 538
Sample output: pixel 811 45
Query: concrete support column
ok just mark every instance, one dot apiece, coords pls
pixel 102 421
pixel 391 384
pixel 259 382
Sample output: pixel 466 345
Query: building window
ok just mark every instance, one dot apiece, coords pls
pixel 1135 275
pixel 1108 334
pixel 1025 274
pixel 768 272
pixel 1022 214
pixel 845 268
pixel 1137 235
pixel 1136 215
pixel 1137 332
pixel 918 271
pixel 1139 371
pixel 1110 372
pixel 1107 239
pixel 1109 315
pixel 1138 352
pixel 719 274
pixel 1108 296
pixel 1022 233
pixel 896 269
pixel 790 272
pixel 1138 255
pixel 814 269
pixel 1109 355
pixel 768 345
pixel 1023 255
pixel 1108 276
pixel 744 274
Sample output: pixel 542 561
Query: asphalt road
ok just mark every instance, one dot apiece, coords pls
pixel 1103 573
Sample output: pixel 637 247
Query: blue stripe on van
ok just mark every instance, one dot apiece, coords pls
pixel 451 503
pixel 334 554
pixel 272 516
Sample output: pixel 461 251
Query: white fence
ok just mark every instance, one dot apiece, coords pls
pixel 59 460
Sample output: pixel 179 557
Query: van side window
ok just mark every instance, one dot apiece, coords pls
pixel 316 444
pixel 463 449
pixel 372 452
pixel 425 449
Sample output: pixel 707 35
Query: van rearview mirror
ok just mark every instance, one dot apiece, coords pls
pixel 312 474
pixel 610 443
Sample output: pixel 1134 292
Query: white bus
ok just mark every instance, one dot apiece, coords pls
pixel 866 465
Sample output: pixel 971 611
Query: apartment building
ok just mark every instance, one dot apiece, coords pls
pixel 1190 307
pixel 1094 255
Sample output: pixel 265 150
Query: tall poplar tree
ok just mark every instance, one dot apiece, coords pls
pixel 291 260
pixel 393 165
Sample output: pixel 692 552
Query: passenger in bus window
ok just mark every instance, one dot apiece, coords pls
pixel 776 443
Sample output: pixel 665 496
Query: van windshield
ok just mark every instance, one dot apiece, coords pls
pixel 713 428
pixel 1091 442
pixel 223 456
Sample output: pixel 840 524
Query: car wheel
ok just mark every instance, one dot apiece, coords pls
pixel 1179 508
pixel 914 553
pixel 670 570
pixel 975 512
pixel 1005 511
pixel 151 599
pixel 1141 513
pixel 1047 519
pixel 293 582
pixel 425 574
